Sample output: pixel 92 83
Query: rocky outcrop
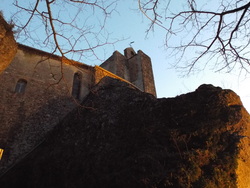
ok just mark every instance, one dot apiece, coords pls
pixel 8 46
pixel 121 137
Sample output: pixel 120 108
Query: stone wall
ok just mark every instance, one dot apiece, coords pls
pixel 134 67
pixel 27 116
pixel 100 73
pixel 117 65
pixel 8 46
pixel 147 73
pixel 38 89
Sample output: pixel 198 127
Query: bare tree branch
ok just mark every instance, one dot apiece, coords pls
pixel 204 34
pixel 52 27
pixel 67 27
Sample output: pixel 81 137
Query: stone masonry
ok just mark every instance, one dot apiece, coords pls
pixel 39 89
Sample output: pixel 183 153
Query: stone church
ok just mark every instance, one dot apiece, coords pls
pixel 38 89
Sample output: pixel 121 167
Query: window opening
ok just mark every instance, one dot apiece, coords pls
pixel 20 86
pixel 77 85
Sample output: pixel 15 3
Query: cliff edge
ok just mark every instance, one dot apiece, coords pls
pixel 121 137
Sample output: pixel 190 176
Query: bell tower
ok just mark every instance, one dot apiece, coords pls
pixel 134 67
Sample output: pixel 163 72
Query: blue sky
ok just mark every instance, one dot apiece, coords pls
pixel 128 23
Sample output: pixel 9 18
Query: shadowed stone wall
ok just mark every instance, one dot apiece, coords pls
pixel 134 67
pixel 39 89
pixel 30 110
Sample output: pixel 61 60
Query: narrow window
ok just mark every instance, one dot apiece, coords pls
pixel 20 86
pixel 77 85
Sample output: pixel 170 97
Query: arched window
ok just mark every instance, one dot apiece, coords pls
pixel 20 86
pixel 76 89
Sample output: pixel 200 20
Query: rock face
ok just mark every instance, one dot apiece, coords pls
pixel 121 137
pixel 8 46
